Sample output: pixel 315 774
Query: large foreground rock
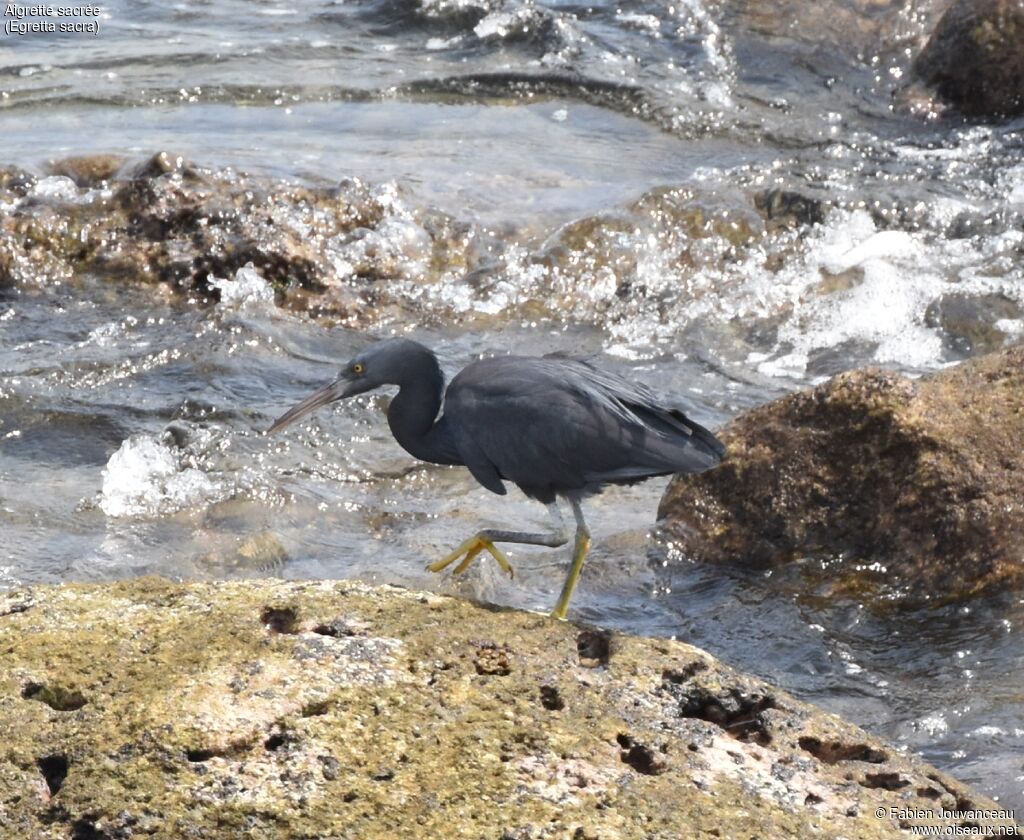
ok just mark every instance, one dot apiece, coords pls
pixel 919 481
pixel 335 710
pixel 975 57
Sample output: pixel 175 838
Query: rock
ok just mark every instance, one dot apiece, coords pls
pixel 16 181
pixel 170 221
pixel 844 28
pixel 919 479
pixel 975 57
pixel 163 163
pixel 970 323
pixel 88 170
pixel 220 710
pixel 261 554
pixel 786 207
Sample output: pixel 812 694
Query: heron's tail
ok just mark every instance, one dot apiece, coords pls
pixel 681 445
pixel 705 440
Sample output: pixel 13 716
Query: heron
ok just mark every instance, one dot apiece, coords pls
pixel 555 426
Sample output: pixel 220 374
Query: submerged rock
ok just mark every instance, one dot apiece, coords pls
pixel 918 479
pixel 169 221
pixel 14 182
pixel 271 709
pixel 88 170
pixel 971 324
pixel 975 57
pixel 787 207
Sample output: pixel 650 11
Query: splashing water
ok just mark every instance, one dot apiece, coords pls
pixel 146 478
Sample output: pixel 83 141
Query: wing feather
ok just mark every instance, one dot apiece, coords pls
pixel 562 423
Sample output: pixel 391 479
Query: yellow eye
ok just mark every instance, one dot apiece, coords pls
pixel 358 369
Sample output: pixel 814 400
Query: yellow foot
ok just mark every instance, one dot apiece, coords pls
pixel 471 548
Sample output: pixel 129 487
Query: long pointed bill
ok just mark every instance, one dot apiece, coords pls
pixel 329 393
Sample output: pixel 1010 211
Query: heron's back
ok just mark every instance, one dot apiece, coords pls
pixel 560 426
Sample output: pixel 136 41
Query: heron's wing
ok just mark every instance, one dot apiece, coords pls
pixel 563 423
pixel 482 468
pixel 636 399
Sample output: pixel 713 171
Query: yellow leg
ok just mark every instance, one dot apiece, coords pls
pixel 578 556
pixel 471 548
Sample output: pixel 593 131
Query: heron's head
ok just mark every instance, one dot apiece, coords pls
pixel 388 362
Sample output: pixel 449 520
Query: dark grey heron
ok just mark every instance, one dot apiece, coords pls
pixel 555 426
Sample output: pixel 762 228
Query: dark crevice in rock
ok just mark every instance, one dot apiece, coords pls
pixel 832 752
pixel 330 767
pixel 280 619
pixel 812 799
pixel 551 699
pixel 197 756
pixel 739 714
pixel 962 802
pixel 86 829
pixel 594 647
pixel 315 709
pixel 275 742
pixel 885 781
pixel 640 757
pixel 56 697
pixel 929 793
pixel 681 675
pixel 15 609
pixel 336 628
pixel 55 770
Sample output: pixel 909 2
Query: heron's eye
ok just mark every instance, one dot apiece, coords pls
pixel 358 369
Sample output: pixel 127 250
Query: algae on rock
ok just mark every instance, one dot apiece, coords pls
pixel 271 709
pixel 919 477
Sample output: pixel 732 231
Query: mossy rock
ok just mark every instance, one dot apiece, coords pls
pixel 975 57
pixel 271 709
pixel 919 479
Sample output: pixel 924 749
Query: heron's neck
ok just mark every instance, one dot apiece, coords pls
pixel 413 411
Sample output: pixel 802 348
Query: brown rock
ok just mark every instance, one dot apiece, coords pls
pixel 975 57
pixel 970 322
pixel 88 170
pixel 170 221
pixel 921 477
pixel 15 180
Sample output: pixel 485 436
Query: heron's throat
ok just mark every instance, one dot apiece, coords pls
pixel 413 412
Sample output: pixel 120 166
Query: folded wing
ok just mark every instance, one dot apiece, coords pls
pixel 558 425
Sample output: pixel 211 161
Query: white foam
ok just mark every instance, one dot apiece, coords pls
pixel 248 289
pixel 443 43
pixel 886 245
pixel 844 281
pixel 56 186
pixel 437 8
pixel 1013 180
pixel 934 724
pixel 146 477
pixel 640 21
pixel 496 25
